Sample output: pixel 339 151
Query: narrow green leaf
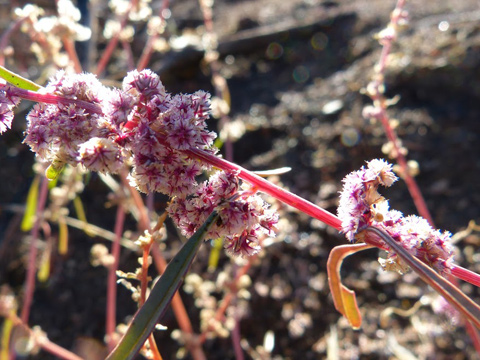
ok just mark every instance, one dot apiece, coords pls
pixel 80 211
pixel 5 339
pixel 162 292
pixel 449 291
pixel 31 206
pixel 18 80
pixel 215 254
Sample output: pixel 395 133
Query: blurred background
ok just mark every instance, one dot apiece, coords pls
pixel 295 73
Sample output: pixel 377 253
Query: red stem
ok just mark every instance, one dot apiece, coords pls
pixel 148 49
pixel 267 187
pixel 112 44
pixel 32 258
pixel 379 101
pixel 112 279
pixel 58 351
pixel 227 299
pixel 69 46
pixel 412 185
pixel 53 99
pixel 466 275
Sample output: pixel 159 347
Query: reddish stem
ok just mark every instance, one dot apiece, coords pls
pixel 37 96
pixel 58 351
pixel 129 55
pixel 228 298
pixel 267 187
pixel 148 48
pixel 412 185
pixel 72 53
pixel 154 348
pixel 112 44
pixel 379 101
pixel 112 279
pixel 29 287
pixel 466 275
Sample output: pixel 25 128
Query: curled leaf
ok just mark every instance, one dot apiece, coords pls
pixel 343 298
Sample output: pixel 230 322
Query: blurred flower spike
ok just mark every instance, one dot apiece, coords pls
pixel 7 103
pixel 362 206
pixel 152 131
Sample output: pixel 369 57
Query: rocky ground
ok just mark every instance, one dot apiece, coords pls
pixel 295 72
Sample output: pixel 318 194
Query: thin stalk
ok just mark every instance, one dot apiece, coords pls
pixel 72 53
pixel 380 103
pixel 53 99
pixel 236 338
pixel 267 187
pixel 29 287
pixel 466 275
pixel 43 342
pixel 181 314
pixel 148 48
pixel 112 279
pixel 227 300
pixel 143 294
pixel 112 44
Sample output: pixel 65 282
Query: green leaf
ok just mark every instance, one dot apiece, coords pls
pixel 215 254
pixel 5 338
pixel 18 80
pixel 31 206
pixel 162 292
pixel 449 291
pixel 54 170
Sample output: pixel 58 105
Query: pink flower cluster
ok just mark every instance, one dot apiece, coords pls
pixel 7 103
pixel 244 216
pixel 361 206
pixel 65 133
pixel 143 126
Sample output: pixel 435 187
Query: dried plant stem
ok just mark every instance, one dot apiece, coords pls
pixel 154 348
pixel 29 287
pixel 380 103
pixel 112 279
pixel 227 300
